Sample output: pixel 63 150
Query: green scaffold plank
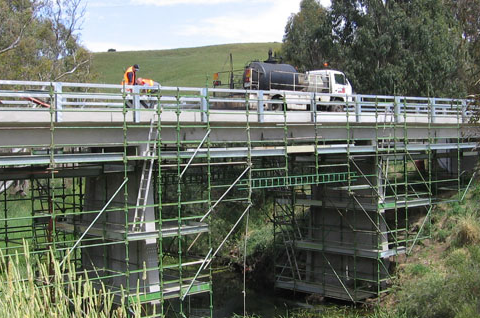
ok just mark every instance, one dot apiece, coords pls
pixel 286 181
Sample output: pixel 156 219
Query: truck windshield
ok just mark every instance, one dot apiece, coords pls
pixel 340 79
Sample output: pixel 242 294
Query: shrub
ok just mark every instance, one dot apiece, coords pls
pixel 467 231
pixel 416 269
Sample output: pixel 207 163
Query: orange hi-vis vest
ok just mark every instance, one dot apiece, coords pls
pixel 147 81
pixel 126 80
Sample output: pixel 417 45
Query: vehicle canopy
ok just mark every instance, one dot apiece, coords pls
pixel 336 81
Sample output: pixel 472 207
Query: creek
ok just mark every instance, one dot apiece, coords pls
pixel 261 301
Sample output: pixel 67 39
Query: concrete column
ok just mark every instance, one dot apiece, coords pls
pixel 111 259
pixel 346 232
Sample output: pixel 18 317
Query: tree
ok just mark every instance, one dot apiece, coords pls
pixel 467 13
pixel 308 41
pixel 400 47
pixel 411 47
pixel 15 17
pixel 41 40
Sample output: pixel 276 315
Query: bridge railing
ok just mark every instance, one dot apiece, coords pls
pixel 60 98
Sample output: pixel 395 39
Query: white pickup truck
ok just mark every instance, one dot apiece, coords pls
pixel 282 81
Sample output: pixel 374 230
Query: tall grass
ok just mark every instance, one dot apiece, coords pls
pixel 467 231
pixel 451 290
pixel 31 289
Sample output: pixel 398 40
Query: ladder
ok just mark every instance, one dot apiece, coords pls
pixel 42 222
pixel 146 177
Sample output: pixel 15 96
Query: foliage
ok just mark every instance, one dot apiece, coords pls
pixel 341 312
pixel 416 269
pixel 467 12
pixel 39 40
pixel 384 47
pixel 406 48
pixel 308 38
pixel 15 17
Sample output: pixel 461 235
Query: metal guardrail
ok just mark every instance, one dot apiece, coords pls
pixel 60 97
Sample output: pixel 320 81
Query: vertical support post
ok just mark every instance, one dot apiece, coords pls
pixel 358 108
pixel 204 105
pixel 58 101
pixel 260 107
pixel 136 103
pixel 179 206
pixel 431 102
pixel 158 204
pixel 397 109
pixel 313 108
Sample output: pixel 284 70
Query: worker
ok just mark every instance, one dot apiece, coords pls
pixel 130 76
pixel 149 103
pixel 146 82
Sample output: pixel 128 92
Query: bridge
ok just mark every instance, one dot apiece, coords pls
pixel 125 182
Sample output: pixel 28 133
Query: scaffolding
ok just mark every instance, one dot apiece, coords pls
pixel 126 181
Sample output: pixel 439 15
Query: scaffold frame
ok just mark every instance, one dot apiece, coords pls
pixel 124 182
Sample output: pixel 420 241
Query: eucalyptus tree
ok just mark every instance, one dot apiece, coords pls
pixel 409 47
pixel 400 47
pixel 39 40
pixel 467 12
pixel 308 41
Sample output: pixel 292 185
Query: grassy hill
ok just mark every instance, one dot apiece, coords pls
pixel 179 67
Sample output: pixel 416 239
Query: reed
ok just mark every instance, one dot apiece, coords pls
pixel 30 289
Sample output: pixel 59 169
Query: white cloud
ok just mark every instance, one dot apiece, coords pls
pixel 263 26
pixel 198 2
pixel 106 3
pixel 240 21
pixel 161 3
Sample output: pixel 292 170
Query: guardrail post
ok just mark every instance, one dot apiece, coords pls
pixel 58 102
pixel 358 108
pixel 431 101
pixel 260 107
pixel 464 111
pixel 204 105
pixel 397 109
pixel 136 104
pixel 313 107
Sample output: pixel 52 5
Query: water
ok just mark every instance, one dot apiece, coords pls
pixel 260 300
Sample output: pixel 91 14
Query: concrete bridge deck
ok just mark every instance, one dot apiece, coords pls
pixel 37 114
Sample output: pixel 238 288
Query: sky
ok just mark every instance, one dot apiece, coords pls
pixel 128 25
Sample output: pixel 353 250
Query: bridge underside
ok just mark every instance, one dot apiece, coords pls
pixel 131 200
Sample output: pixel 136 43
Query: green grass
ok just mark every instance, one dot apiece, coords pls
pixel 179 67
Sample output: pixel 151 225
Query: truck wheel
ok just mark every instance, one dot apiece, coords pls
pixel 277 105
pixel 322 108
pixel 336 108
